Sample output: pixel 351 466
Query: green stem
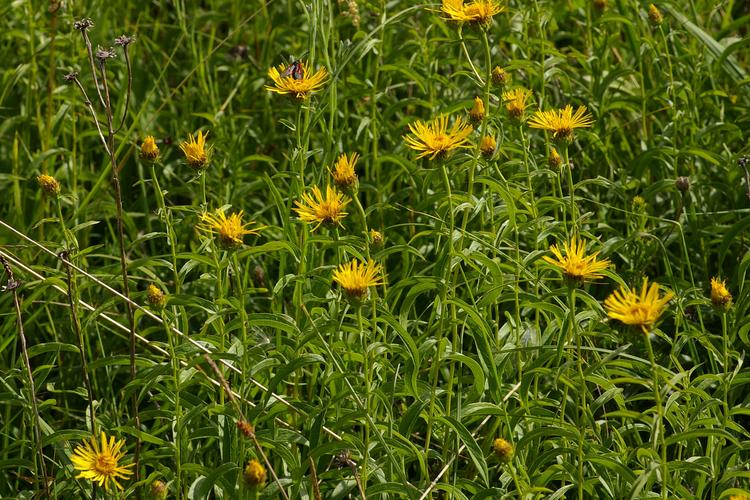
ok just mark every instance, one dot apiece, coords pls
pixel 571 187
pixel 367 375
pixel 173 339
pixel 659 427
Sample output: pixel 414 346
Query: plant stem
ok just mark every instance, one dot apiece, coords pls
pixel 659 427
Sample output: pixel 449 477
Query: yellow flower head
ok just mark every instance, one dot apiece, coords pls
pixel 477 111
pixel 721 299
pixel 562 122
pixel 158 490
pixel 739 497
pixel 48 184
pixel 230 230
pixel 344 175
pixel 435 140
pixel 196 152
pixel 376 239
pixel 487 146
pixel 654 15
pixel 641 310
pixel 255 474
pixel 99 461
pixel 296 79
pixel 149 149
pixel 355 277
pixel 314 209
pixel 575 265
pixel 155 297
pixel 478 12
pixel 554 160
pixel 500 77
pixel 515 102
pixel 503 449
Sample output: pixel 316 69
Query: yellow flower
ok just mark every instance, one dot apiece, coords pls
pixel 739 497
pixel 155 297
pixel 721 299
pixel 554 160
pixel 575 264
pixel 476 12
pixel 499 76
pixel 487 146
pixel 641 310
pixel 355 277
pixel 515 101
pixel 477 111
pixel 654 15
pixel 343 173
pixel 314 209
pixel 296 79
pixel 376 239
pixel 196 152
pixel 562 122
pixel 230 230
pixel 435 140
pixel 48 184
pixel 149 149
pixel 503 449
pixel 255 474
pixel 99 461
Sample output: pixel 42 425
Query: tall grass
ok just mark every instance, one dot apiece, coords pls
pixel 258 355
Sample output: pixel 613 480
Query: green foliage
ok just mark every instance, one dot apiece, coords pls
pixel 472 337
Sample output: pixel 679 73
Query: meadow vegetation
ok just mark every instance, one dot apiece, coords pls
pixel 374 249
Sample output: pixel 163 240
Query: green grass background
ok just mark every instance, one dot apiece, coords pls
pixel 461 346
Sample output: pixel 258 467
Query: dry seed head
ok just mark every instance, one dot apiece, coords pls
pixel 124 40
pixel 246 428
pixel 683 184
pixel 83 25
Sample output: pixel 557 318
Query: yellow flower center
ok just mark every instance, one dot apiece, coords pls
pixel 105 464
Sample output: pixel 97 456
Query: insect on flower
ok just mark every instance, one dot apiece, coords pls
pixel 294 70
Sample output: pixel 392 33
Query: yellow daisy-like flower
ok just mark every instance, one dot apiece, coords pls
pixel 575 264
pixel 562 122
pixel 654 15
pixel 356 277
pixel 477 111
pixel 230 230
pixel 315 209
pixel 435 140
pixel 476 12
pixel 254 474
pixel 641 310
pixel 515 102
pixel 296 79
pixel 99 461
pixel 149 149
pixel 721 299
pixel 48 184
pixel 343 173
pixel 196 152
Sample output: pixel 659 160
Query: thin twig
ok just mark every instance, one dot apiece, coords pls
pixel 12 286
pixel 130 87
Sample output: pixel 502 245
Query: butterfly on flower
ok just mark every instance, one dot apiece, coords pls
pixel 295 70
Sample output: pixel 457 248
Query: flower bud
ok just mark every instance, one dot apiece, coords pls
pixel 487 146
pixel 157 491
pixel 500 77
pixel 254 474
pixel 156 298
pixel 477 112
pixel 721 299
pixel 48 184
pixel 503 450
pixel 654 15
pixel 149 149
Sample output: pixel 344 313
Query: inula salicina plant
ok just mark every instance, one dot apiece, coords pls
pixel 366 249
